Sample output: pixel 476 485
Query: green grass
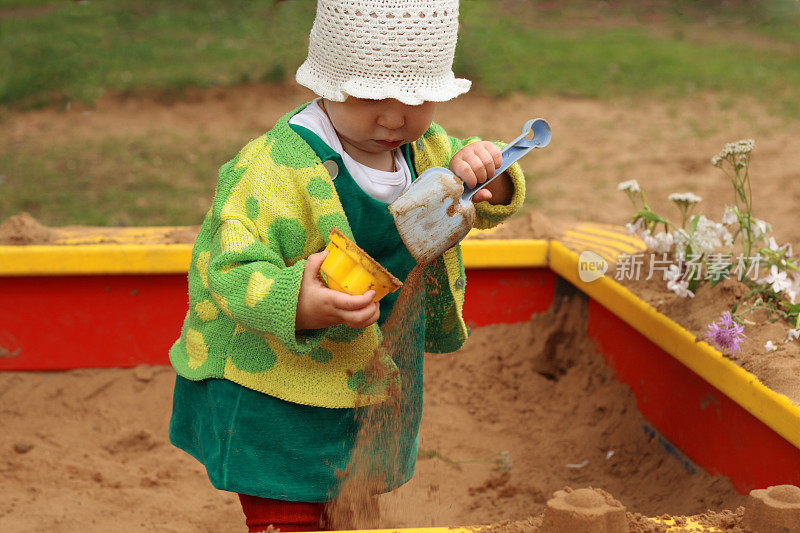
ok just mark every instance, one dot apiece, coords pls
pixel 56 51
pixel 71 50
pixel 671 59
pixel 118 180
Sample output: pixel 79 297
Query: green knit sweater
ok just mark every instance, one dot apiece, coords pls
pixel 274 206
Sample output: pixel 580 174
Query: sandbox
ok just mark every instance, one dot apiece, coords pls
pixel 547 395
pixel 522 411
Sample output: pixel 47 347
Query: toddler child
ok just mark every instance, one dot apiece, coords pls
pixel 272 365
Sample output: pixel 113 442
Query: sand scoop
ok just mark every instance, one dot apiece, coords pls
pixel 436 211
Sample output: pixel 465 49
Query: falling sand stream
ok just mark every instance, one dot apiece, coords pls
pixel 379 441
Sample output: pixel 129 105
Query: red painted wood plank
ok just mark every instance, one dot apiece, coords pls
pixel 507 296
pixel 62 322
pixel 718 434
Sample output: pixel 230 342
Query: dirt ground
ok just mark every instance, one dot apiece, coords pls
pixel 665 145
pixel 522 411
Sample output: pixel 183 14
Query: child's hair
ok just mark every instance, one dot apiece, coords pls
pixel 375 49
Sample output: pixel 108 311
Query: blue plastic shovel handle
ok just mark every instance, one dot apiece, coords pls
pixel 514 150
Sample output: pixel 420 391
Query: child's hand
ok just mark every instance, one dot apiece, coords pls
pixel 320 307
pixel 475 163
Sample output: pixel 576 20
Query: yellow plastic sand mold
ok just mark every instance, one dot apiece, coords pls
pixel 351 270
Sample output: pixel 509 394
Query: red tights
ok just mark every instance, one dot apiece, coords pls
pixel 260 513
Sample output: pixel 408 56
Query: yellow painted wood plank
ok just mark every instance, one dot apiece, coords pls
pixel 671 524
pixel 86 259
pixel 775 410
pixel 417 530
pixel 578 245
pixel 604 241
pixel 616 234
pixel 504 253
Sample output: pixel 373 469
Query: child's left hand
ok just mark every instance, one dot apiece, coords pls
pixel 477 162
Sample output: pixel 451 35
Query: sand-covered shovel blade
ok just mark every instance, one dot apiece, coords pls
pixel 436 210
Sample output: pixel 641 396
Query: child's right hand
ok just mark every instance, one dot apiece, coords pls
pixel 321 307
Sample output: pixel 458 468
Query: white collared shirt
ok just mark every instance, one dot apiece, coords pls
pixel 379 184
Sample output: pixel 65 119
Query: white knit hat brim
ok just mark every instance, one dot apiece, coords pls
pixel 378 49
pixel 436 90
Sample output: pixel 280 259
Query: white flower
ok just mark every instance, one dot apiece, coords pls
pixel 675 283
pixel 633 229
pixel 773 245
pixel 791 294
pixel 629 186
pixel 770 346
pixel 793 291
pixel 681 288
pixel 741 161
pixel 663 242
pixel 660 242
pixel 778 280
pixel 744 146
pixel 724 235
pixel 793 335
pixel 705 236
pixel 730 217
pixel 687 198
pixel 681 239
pixel 673 274
pixel 759 227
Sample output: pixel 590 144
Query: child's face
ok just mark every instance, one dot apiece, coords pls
pixel 374 126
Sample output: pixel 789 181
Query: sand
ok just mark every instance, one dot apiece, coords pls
pixel 22 229
pixel 520 412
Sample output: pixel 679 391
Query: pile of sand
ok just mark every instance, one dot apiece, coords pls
pixel 24 229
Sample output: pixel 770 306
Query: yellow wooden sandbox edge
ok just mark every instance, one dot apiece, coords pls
pixel 775 410
pixel 94 259
pixel 89 251
pixel 671 524
pixel 88 259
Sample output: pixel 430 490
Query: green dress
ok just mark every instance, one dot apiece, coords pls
pixel 257 444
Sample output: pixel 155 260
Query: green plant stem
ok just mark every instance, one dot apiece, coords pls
pixel 777 258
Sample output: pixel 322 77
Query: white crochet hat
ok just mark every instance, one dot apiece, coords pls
pixel 377 49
